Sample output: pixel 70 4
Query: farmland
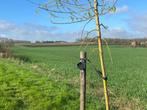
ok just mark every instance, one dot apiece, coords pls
pixel 47 78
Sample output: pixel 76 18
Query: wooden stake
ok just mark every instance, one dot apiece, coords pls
pixel 83 81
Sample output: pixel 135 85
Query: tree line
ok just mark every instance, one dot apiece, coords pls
pixel 115 41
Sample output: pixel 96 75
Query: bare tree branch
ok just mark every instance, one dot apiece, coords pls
pixel 72 22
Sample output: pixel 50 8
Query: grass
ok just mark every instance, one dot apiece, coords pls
pixel 23 88
pixel 48 79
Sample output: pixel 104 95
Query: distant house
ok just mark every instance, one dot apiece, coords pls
pixel 4 47
pixel 135 44
pixel 3 54
pixel 143 44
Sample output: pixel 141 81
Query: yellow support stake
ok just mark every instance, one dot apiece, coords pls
pixel 101 54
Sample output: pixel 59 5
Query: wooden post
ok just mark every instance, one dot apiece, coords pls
pixel 83 80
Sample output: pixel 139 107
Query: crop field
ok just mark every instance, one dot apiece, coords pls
pixel 47 78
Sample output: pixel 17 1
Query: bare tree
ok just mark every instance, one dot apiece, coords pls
pixel 74 11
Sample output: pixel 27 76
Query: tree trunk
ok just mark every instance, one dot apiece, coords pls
pixel 101 54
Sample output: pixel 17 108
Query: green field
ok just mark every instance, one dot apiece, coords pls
pixel 46 78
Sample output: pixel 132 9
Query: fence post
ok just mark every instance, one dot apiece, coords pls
pixel 82 67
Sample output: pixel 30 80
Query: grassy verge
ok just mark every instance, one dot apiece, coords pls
pixel 22 88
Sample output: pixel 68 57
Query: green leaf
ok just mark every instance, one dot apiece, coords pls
pixel 113 9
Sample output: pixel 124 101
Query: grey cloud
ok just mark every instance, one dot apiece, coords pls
pixel 122 9
pixel 29 31
pixel 116 33
pixel 136 28
pixel 138 25
pixel 4 25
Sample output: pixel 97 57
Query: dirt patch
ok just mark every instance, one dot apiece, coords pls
pixel 124 104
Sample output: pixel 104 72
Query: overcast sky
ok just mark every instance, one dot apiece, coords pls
pixel 19 20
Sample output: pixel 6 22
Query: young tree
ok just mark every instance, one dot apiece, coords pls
pixel 74 11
